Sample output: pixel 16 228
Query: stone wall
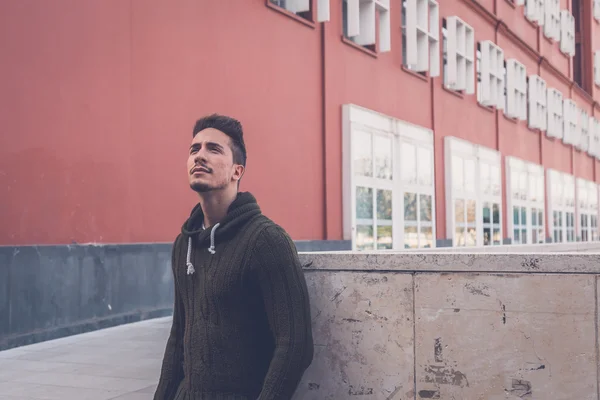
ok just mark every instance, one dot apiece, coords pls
pixel 453 326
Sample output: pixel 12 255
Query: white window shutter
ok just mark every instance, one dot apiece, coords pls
pixel 434 44
pixel 511 98
pixel 520 2
pixel 451 47
pixel 531 10
pixel 411 32
pixel 353 17
pixel 470 55
pixel 485 69
pixel 548 25
pixel 522 85
pixel 297 6
pixel 543 103
pixel 367 34
pixel 597 10
pixel 532 91
pixel 323 10
pixel 385 34
pixel 500 103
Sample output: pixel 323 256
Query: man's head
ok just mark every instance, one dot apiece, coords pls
pixel 217 156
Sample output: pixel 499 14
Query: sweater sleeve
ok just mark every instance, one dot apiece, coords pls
pixel 285 297
pixel 172 366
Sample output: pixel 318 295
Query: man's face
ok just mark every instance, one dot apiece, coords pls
pixel 210 162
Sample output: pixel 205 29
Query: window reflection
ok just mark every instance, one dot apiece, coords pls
pixel 383 157
pixel 364 203
pixel 362 148
pixel 409 164
pixel 425 169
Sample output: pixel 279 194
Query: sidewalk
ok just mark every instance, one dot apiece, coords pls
pixel 117 363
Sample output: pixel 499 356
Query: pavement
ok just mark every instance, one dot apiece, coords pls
pixel 121 363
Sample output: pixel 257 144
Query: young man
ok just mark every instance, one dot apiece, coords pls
pixel 241 322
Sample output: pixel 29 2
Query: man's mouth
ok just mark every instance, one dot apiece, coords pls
pixel 200 169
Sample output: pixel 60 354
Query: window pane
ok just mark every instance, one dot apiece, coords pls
pixel 523 236
pixel 426 207
pixel 383 157
pixel 426 237
pixel 411 240
pixel 534 238
pixel 364 237
pixel 487 236
pixel 364 203
pixel 497 238
pixel 496 214
pixel 362 149
pixel 523 216
pixel 514 185
pixel 523 185
pixel 384 204
pixel 496 180
pixel 532 188
pixel 516 216
pixel 486 214
pixel 384 237
pixel 409 164
pixel 517 236
pixel 458 174
pixel 471 237
pixel 486 179
pixel 459 211
pixel 471 212
pixel 459 237
pixel 534 217
pixel 541 218
pixel 410 206
pixel 470 176
pixel 425 169
pixel 540 188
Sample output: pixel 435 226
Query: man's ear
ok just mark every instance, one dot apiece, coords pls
pixel 238 172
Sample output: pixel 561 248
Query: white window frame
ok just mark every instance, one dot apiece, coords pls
pixel 594 137
pixel 555 114
pixel 583 143
pixel 422 29
pixel 460 56
pixel 571 119
pixel 360 119
pixel 597 67
pixel 587 208
pixel 516 90
pixel 525 189
pixel 466 152
pixel 552 19
pixel 361 16
pixel 567 33
pixel 535 11
pixel 561 199
pixel 537 117
pixel 298 6
pixel 491 82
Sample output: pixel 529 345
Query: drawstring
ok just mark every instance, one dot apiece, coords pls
pixel 212 239
pixel 211 249
pixel 188 262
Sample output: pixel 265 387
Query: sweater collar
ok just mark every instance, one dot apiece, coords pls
pixel 241 209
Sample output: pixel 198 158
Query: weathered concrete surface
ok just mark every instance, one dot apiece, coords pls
pixel 498 337
pixel 363 328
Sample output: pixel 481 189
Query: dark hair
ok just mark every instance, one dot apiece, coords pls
pixel 229 126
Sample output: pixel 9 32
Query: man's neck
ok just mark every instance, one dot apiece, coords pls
pixel 215 205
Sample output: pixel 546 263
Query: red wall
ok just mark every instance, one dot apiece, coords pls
pixel 98 100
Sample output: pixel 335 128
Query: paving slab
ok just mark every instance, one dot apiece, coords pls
pixel 115 363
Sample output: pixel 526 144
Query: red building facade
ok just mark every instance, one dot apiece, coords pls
pixel 384 123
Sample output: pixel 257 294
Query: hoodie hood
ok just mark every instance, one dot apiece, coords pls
pixel 241 210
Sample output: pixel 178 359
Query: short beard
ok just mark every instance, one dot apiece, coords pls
pixel 201 187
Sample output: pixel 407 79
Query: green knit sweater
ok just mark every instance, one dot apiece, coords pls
pixel 241 321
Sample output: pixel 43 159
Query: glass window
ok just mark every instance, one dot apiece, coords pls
pixel 362 149
pixel 409 164
pixel 383 157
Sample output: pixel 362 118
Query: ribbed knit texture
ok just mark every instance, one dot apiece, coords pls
pixel 241 322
